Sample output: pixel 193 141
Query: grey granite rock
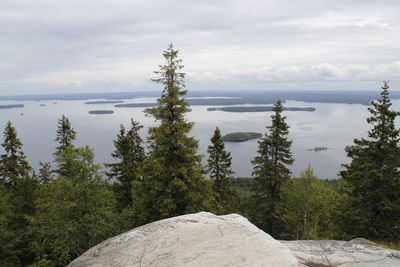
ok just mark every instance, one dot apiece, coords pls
pixel 331 253
pixel 201 239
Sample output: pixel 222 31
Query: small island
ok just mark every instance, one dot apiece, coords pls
pixel 11 106
pixel 317 149
pixel 147 111
pixel 104 102
pixel 100 112
pixel 258 109
pixel 136 105
pixel 240 136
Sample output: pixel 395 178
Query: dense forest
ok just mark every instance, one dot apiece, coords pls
pixel 49 217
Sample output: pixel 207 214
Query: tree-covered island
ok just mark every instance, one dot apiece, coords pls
pixel 258 109
pixel 240 136
pixel 100 112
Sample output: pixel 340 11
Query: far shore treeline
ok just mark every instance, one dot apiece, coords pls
pixel 50 217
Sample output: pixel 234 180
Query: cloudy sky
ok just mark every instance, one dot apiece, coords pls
pixel 49 46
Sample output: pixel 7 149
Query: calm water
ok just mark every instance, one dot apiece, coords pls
pixel 331 125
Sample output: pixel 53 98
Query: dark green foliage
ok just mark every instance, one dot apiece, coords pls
pixel 45 175
pixel 373 176
pixel 219 167
pixel 271 171
pixel 16 180
pixel 65 137
pixel 73 214
pixel 13 163
pixel 240 136
pixel 8 256
pixel 308 208
pixel 129 152
pixel 173 182
pixel 65 134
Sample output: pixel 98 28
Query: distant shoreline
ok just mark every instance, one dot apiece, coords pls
pixel 223 97
pixel 104 102
pixel 12 106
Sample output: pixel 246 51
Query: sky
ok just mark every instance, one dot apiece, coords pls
pixel 72 46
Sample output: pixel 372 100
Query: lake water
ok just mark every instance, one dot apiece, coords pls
pixel 331 125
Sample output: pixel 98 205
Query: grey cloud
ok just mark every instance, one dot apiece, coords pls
pixel 54 46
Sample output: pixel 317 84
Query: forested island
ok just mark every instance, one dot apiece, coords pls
pixel 11 106
pixel 100 112
pixel 136 105
pixel 104 102
pixel 240 136
pixel 317 149
pixel 259 109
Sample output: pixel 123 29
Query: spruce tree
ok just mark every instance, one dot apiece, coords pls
pixel 271 171
pixel 65 137
pixel 129 152
pixel 173 182
pixel 373 176
pixel 15 174
pixel 45 175
pixel 65 134
pixel 13 163
pixel 219 167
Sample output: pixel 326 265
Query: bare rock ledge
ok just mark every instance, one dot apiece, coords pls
pixel 204 239
pixel 201 239
pixel 332 253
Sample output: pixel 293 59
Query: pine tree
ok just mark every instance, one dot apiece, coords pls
pixel 271 171
pixel 13 163
pixel 219 167
pixel 130 154
pixel 373 175
pixel 173 182
pixel 65 137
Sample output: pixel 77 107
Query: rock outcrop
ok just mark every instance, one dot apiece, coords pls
pixel 204 239
pixel 332 253
pixel 200 239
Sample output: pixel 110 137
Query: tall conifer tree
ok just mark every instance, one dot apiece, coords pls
pixel 271 171
pixel 173 182
pixel 15 173
pixel 373 175
pixel 219 167
pixel 13 163
pixel 130 154
pixel 65 134
pixel 65 137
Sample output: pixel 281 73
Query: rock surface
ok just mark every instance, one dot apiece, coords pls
pixel 200 239
pixel 354 253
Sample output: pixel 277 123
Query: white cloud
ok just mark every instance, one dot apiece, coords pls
pixel 114 45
